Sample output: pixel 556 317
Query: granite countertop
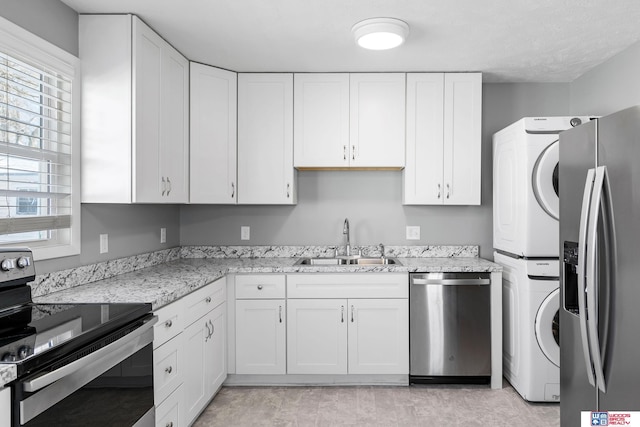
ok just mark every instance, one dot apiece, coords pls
pixel 164 283
pixel 8 373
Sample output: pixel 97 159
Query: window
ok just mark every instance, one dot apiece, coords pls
pixel 39 131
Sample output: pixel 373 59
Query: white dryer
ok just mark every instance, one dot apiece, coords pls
pixel 531 334
pixel 525 186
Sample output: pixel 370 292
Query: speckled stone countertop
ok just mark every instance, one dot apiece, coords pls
pixel 8 373
pixel 164 283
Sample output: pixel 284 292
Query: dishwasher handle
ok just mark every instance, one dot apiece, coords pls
pixel 450 282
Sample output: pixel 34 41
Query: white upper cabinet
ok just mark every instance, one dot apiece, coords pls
pixel 444 114
pixel 265 139
pixel 213 135
pixel 377 120
pixel 135 103
pixel 321 120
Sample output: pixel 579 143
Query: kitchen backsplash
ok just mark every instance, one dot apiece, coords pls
pixel 65 279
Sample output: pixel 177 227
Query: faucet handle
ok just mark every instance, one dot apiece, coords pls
pixel 381 249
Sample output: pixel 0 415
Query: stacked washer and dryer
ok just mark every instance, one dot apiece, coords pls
pixel 526 244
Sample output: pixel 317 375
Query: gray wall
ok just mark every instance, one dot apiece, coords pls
pixel 609 87
pixel 131 229
pixel 372 200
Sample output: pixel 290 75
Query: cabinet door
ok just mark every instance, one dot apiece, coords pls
pixel 260 337
pixel 174 127
pixel 265 139
pixel 147 112
pixel 462 138
pixel 216 371
pixel 423 172
pixel 377 119
pixel 194 387
pixel 316 336
pixel 321 120
pixel 378 336
pixel 213 139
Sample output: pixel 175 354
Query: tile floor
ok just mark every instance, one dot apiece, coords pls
pixel 433 405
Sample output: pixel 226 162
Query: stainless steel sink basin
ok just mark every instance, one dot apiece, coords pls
pixel 348 261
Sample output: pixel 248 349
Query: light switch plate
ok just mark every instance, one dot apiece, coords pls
pixel 245 232
pixel 163 235
pixel 104 243
pixel 413 232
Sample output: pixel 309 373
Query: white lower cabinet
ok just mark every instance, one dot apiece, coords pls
pixel 260 324
pixel 317 336
pixel 355 336
pixel 189 355
pixel 5 407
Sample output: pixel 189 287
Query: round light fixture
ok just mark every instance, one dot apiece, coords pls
pixel 380 33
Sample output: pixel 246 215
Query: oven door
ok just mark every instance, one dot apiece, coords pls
pixel 112 386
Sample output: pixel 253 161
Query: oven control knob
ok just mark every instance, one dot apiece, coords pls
pixel 23 262
pixel 23 352
pixel 8 357
pixel 7 264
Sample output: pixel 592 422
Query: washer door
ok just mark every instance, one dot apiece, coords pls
pixel 548 327
pixel 545 180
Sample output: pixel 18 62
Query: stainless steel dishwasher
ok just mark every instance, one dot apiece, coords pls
pixel 449 328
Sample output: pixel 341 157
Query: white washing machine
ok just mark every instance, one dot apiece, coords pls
pixel 525 186
pixel 531 334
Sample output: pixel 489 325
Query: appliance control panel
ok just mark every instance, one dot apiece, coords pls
pixel 16 266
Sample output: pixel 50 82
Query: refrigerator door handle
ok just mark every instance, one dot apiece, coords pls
pixel 593 281
pixel 583 238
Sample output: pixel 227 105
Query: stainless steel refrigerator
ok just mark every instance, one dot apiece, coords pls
pixel 599 179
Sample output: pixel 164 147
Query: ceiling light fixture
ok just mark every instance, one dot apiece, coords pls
pixel 380 33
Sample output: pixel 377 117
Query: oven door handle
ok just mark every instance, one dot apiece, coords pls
pixel 57 385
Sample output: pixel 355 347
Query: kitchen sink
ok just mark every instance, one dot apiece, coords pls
pixel 348 261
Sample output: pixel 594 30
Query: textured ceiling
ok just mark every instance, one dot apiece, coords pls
pixel 507 40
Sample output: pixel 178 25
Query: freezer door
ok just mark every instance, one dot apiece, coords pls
pixel 619 151
pixel 577 156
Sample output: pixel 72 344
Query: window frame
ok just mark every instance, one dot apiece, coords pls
pixel 22 44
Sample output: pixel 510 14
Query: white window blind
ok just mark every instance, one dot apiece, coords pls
pixel 37 182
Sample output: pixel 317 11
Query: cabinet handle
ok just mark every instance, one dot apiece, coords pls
pixel 448 191
pixel 206 325
pixel 344 152
pixel 351 314
pixel 207 300
pixel 438 190
pixel 164 186
pixel 168 323
pixel 259 287
pixel 169 185
pixel 168 369
pixel 353 152
pixel 169 424
pixel 342 314
pixel 233 190
pixel 213 329
pixel 288 187
pixel 280 312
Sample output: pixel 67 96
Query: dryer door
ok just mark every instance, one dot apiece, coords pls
pixel 545 180
pixel 548 327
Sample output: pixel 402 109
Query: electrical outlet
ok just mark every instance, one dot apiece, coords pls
pixel 413 232
pixel 245 232
pixel 163 235
pixel 104 243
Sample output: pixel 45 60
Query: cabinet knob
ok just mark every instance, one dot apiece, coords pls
pixel 207 300
pixel 169 424
pixel 259 287
pixel 168 369
pixel 168 323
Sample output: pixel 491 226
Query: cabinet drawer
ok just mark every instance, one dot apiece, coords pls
pixel 200 302
pixel 260 286
pixel 350 285
pixel 169 412
pixel 170 323
pixel 167 368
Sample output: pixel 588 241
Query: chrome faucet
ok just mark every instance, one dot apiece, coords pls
pixel 345 230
